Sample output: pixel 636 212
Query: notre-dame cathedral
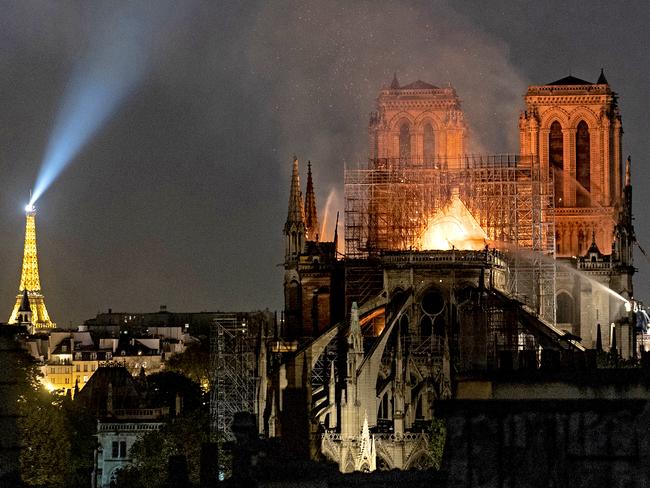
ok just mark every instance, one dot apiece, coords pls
pixel 449 263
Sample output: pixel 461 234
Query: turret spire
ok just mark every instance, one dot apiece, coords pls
pixel 296 213
pixel 628 172
pixel 311 216
pixel 601 79
pixel 294 227
pixel 30 282
pixel 394 84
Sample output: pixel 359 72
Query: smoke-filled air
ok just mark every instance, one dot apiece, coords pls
pixel 326 66
pixel 145 122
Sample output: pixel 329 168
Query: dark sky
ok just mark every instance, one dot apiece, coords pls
pixel 180 198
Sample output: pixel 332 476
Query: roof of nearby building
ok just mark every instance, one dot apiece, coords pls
pixel 132 346
pixel 126 391
pixel 418 85
pixel 569 80
pixel 62 347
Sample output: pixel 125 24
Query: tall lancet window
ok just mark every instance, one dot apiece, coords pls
pixel 429 146
pixel 405 142
pixel 583 170
pixel 556 161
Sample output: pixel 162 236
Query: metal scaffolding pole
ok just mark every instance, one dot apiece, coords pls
pixel 233 363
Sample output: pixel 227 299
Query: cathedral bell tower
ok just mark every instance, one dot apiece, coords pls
pixel 417 124
pixel 313 291
pixel 571 129
pixel 30 283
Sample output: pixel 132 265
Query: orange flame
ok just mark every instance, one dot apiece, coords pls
pixel 453 226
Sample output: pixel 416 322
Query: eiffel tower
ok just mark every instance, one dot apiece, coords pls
pixel 30 281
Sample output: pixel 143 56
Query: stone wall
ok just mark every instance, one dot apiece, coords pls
pixel 546 443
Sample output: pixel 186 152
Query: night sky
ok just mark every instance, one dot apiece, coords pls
pixel 180 197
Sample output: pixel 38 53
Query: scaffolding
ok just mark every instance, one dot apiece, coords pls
pixel 389 203
pixel 233 358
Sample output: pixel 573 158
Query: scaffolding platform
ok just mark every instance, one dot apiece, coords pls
pixel 389 203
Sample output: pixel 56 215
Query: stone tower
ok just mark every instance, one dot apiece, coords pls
pixel 572 129
pixel 30 282
pixel 311 279
pixel 294 238
pixel 418 122
pixel 294 227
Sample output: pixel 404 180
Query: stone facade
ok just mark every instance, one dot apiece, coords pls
pixel 362 391
pixel 575 428
pixel 419 123
pixel 573 128
pixel 115 438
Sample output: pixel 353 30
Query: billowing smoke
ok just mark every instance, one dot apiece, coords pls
pixel 190 113
pixel 326 62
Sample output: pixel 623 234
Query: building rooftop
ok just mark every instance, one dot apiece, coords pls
pixel 419 85
pixel 569 80
pixel 116 382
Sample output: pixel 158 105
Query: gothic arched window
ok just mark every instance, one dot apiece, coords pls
pixel 426 326
pixel 564 308
pixel 428 144
pixel 404 142
pixel 556 161
pixel 583 170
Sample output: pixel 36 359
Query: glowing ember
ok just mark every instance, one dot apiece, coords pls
pixel 453 227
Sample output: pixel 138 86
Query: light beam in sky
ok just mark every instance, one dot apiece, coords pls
pixel 109 70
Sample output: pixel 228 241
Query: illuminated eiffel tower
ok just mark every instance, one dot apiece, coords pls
pixel 30 282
